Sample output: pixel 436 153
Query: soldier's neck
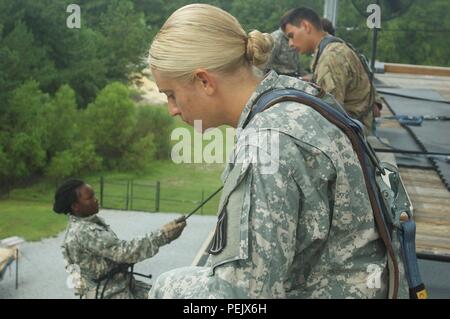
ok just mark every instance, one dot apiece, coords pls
pixel 319 38
pixel 238 92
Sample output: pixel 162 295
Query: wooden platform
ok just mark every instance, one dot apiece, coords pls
pixel 429 196
pixel 431 202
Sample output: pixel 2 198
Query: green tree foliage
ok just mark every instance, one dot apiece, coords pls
pixel 126 39
pixel 109 122
pixel 22 59
pixel 49 73
pixel 156 121
pixel 420 36
pixel 36 44
pixel 62 120
pixel 140 153
pixel 123 133
pixel 24 131
pixel 79 159
pixel 264 15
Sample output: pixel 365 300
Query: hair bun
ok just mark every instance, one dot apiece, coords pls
pixel 259 47
pixel 66 195
pixel 60 206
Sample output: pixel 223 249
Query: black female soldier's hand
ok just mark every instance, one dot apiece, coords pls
pixel 174 229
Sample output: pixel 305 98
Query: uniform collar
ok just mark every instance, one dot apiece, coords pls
pixel 90 219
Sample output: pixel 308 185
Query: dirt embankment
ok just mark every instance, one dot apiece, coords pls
pixel 149 93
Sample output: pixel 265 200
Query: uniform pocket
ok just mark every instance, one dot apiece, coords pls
pixel 230 241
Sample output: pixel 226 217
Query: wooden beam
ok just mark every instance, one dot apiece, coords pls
pixel 416 69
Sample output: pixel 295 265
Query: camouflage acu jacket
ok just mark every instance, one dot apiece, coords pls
pixel 340 72
pixel 299 223
pixel 283 59
pixel 91 250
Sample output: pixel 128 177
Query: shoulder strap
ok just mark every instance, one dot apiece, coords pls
pixel 328 39
pixel 274 96
pixel 366 156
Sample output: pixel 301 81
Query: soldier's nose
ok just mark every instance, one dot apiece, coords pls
pixel 173 109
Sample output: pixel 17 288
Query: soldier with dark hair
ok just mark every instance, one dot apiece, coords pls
pixel 95 257
pixel 336 67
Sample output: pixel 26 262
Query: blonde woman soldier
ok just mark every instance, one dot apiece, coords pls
pixel 294 218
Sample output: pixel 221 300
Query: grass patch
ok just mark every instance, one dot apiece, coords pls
pixel 30 220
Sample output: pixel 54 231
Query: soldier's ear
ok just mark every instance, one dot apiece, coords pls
pixel 206 81
pixel 75 208
pixel 306 25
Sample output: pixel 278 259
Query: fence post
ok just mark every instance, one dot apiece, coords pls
pixel 157 195
pixel 128 193
pixel 203 198
pixel 101 191
pixel 131 195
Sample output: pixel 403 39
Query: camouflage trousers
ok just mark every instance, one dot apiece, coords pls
pixel 192 283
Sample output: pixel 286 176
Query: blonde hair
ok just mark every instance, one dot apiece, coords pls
pixel 203 36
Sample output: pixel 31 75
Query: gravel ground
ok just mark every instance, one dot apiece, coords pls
pixel 42 274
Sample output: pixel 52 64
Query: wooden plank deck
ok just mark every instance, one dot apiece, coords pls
pixel 428 194
pixel 431 202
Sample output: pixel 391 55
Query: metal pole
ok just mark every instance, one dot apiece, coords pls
pixel 374 52
pixel 128 193
pixel 331 11
pixel 158 186
pixel 101 191
pixel 131 195
pixel 17 268
pixel 374 49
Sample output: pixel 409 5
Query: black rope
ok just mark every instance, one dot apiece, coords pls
pixel 124 268
pixel 417 117
pixel 398 151
pixel 203 203
pixel 412 97
pixel 142 275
